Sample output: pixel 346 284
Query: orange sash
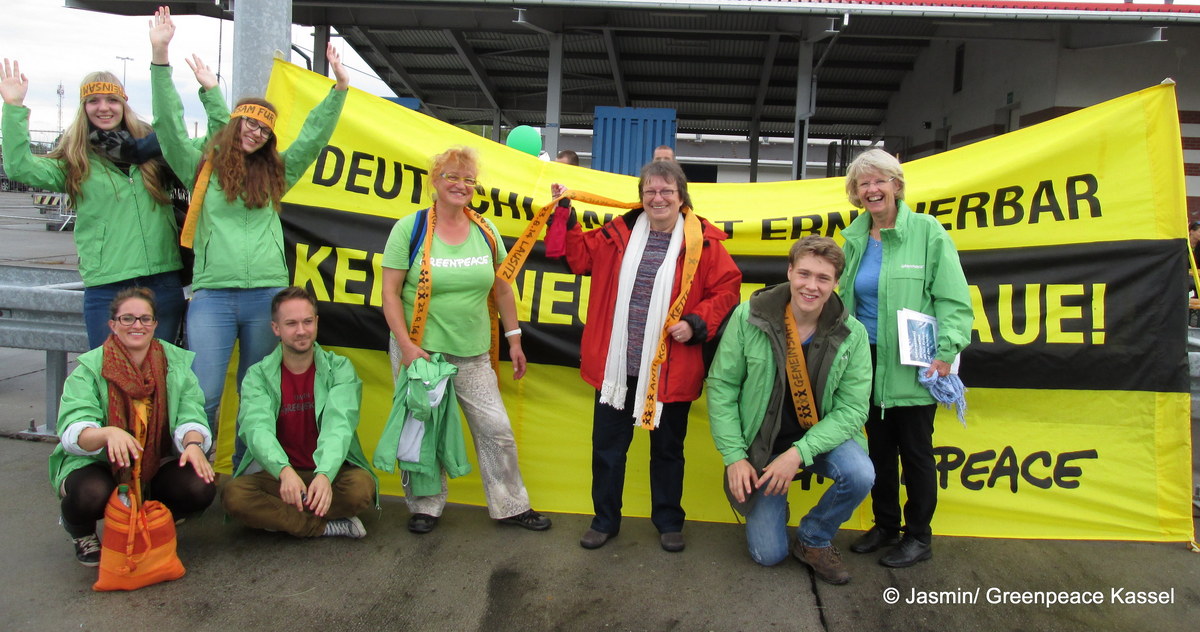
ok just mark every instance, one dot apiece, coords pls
pixel 797 374
pixel 420 314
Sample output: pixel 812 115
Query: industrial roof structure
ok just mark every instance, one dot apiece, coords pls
pixel 745 67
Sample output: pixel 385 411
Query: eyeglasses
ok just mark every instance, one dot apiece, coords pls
pixel 454 178
pixel 129 319
pixel 665 193
pixel 256 128
pixel 863 186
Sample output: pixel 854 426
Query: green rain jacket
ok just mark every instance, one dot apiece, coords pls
pixel 442 445
pixel 920 271
pixel 337 395
pixel 747 383
pixel 236 246
pixel 121 232
pixel 85 399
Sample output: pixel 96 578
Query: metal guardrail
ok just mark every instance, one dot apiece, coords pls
pixel 42 308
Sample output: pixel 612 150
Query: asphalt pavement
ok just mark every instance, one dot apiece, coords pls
pixel 474 574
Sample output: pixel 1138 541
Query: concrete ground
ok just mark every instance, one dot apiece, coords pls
pixel 472 574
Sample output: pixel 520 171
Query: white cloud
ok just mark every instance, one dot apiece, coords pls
pixel 56 44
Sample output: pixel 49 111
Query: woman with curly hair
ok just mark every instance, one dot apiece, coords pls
pixel 108 162
pixel 233 222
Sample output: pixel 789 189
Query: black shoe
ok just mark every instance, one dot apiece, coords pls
pixel 422 523
pixel 908 552
pixel 87 549
pixel 529 519
pixel 671 542
pixel 593 539
pixel 875 539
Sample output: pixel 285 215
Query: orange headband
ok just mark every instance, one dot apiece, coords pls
pixel 257 112
pixel 101 87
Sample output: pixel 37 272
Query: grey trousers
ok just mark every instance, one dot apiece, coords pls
pixel 495 447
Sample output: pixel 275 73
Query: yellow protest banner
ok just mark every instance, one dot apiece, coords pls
pixel 1071 234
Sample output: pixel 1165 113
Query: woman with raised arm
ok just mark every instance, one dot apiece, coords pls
pixel 108 162
pixel 662 284
pixel 233 225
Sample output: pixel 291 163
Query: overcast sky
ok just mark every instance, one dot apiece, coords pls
pixel 54 43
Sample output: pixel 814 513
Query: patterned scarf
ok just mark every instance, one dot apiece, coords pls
pixel 130 386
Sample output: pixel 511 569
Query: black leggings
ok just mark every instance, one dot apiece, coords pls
pixel 89 488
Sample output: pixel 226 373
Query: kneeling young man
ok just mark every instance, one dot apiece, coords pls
pixel 304 471
pixel 788 390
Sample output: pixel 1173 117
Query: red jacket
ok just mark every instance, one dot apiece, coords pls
pixel 716 290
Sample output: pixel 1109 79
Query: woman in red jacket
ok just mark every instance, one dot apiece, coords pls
pixel 662 283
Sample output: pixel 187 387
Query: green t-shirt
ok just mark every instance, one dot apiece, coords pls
pixel 461 277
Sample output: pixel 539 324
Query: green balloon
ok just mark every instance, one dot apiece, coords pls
pixel 525 138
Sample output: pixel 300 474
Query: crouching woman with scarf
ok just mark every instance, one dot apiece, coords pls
pixel 132 380
pixel 662 283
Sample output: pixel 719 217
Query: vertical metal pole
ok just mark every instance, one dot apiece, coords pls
pixel 56 374
pixel 554 94
pixel 261 27
pixel 805 89
pixel 320 41
pixel 755 130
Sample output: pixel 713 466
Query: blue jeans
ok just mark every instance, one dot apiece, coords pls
pixel 766 526
pixel 168 302
pixel 216 318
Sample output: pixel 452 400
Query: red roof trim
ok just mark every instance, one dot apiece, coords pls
pixel 1027 6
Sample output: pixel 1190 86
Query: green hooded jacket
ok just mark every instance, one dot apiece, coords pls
pixel 337 395
pixel 747 382
pixel 85 399
pixel 442 444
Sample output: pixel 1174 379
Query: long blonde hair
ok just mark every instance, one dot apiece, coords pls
pixel 73 148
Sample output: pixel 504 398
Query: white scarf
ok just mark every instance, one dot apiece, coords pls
pixel 613 390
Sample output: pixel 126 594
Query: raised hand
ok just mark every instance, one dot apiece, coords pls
pixel 339 71
pixel 204 74
pixel 13 85
pixel 162 29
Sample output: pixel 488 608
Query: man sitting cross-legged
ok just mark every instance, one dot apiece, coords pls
pixel 304 471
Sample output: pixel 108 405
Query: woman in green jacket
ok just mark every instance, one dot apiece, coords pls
pixel 132 385
pixel 108 162
pixel 897 259
pixel 233 223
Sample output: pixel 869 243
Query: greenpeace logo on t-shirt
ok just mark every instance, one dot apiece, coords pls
pixel 464 262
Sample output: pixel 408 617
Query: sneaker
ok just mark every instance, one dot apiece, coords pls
pixel 87 550
pixel 422 523
pixel 671 542
pixel 529 519
pixel 825 561
pixel 350 527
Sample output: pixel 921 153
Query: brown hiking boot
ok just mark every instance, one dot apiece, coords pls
pixel 826 562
